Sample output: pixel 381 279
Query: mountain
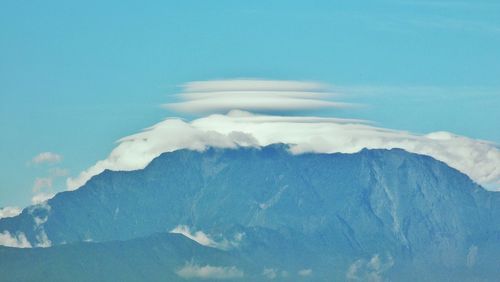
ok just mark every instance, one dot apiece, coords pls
pixel 153 258
pixel 376 214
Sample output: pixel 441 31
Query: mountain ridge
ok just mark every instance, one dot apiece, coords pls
pixel 377 202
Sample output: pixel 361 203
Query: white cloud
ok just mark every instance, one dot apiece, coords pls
pixel 472 256
pixel 253 95
pixel 253 85
pixel 204 239
pixel 273 273
pixel 305 272
pixel 198 236
pixel 42 197
pixel 46 157
pixel 42 189
pixel 270 273
pixel 193 271
pixel 369 270
pixel 478 159
pixel 9 212
pixel 14 240
pixel 43 239
pixel 42 186
pixel 40 213
pixel 41 183
pixel 39 221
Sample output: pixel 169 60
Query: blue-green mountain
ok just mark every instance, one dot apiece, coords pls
pixel 263 213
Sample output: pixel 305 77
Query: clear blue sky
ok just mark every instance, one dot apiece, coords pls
pixel 75 77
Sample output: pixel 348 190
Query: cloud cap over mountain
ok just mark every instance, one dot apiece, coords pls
pixel 478 159
pixel 240 117
pixel 254 95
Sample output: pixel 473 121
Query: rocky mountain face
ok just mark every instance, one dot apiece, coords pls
pixel 262 213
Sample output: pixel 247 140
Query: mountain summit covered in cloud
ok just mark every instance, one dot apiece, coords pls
pixel 254 113
pixel 253 214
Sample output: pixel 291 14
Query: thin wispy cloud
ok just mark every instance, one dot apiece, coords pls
pixel 46 157
pixel 472 256
pixel 42 189
pixel 305 272
pixel 451 16
pixel 452 4
pixel 209 272
pixel 43 186
pixel 456 24
pixel 275 273
pixel 270 273
pixel 415 91
pixel 41 183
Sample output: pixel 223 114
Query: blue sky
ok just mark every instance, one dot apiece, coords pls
pixel 75 77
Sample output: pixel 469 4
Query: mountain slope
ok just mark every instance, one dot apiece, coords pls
pixel 153 258
pixel 345 207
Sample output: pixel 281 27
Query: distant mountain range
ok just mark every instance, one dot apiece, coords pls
pixel 253 214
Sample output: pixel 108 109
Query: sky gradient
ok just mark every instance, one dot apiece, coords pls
pixel 76 77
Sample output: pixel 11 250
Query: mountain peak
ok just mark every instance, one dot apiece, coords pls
pixel 262 201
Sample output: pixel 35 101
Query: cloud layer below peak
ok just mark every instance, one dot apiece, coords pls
pixel 209 272
pixel 478 159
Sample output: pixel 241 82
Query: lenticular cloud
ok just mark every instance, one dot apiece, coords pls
pixel 478 159
pixel 254 95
